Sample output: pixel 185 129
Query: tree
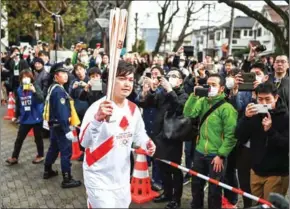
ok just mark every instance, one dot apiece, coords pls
pixel 141 46
pixel 188 22
pixel 164 23
pixel 281 40
pixel 23 15
pixel 101 9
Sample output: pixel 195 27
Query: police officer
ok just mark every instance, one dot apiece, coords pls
pixel 60 134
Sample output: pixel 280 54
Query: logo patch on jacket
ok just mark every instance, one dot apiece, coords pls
pixel 62 101
pixel 124 123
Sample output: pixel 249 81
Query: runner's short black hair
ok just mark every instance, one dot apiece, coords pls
pixel 125 68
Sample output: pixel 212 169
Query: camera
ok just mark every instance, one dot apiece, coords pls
pixel 261 48
pixel 148 75
pixel 263 108
pixel 202 92
pixel 82 84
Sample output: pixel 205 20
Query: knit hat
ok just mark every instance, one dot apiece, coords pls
pixel 37 59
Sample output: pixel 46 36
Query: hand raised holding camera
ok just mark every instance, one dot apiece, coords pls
pixel 251 110
pixel 165 84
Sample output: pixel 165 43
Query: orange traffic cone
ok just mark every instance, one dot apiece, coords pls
pixel 76 152
pixel 31 133
pixel 141 191
pixel 11 107
pixel 226 203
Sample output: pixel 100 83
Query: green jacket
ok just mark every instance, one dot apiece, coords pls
pixel 216 135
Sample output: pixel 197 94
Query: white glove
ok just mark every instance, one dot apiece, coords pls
pixel 70 136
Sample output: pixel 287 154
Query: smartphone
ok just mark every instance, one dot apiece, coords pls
pixel 201 92
pixel 96 85
pixel 248 84
pixel 263 108
pixel 148 75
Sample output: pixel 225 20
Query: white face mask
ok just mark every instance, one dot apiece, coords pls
pixel 84 59
pixel 173 82
pixel 26 80
pixel 230 82
pixel 259 78
pixel 213 91
pixel 181 64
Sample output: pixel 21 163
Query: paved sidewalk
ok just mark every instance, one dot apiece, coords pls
pixel 22 185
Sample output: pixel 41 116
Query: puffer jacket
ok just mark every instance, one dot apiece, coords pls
pixel 217 132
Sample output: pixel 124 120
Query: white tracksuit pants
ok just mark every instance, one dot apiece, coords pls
pixel 101 198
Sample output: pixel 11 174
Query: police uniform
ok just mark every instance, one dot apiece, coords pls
pixel 59 114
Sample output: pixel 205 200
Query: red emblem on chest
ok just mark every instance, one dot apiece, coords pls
pixel 124 123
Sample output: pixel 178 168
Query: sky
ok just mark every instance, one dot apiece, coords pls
pixel 148 10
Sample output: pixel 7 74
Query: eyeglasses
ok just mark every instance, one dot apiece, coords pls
pixel 172 76
pixel 281 61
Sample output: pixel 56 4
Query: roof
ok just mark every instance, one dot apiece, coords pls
pixel 274 16
pixel 240 22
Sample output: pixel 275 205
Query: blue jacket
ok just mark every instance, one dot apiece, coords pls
pixel 59 109
pixel 29 105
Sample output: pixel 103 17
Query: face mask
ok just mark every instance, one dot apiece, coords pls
pixel 230 82
pixel 259 78
pixel 181 64
pixel 26 80
pixel 173 82
pixel 84 59
pixel 213 91
pixel 98 60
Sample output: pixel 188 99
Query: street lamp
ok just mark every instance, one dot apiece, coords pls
pixel 37 27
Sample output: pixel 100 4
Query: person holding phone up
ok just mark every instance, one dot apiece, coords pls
pixel 216 138
pixel 29 108
pixel 268 134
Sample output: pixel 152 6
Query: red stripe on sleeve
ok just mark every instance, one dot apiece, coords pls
pixel 84 131
pixel 99 152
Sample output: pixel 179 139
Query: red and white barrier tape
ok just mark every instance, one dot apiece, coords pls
pixel 265 203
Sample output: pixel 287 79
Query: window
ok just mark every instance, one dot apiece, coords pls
pixel 218 36
pixel 250 33
pixel 234 41
pixel 227 33
pixel 259 32
pixel 245 32
pixel 237 34
pixel 211 36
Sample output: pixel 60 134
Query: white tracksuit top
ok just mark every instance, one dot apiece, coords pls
pixel 107 145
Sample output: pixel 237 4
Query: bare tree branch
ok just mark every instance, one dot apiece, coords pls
pixel 280 12
pixel 92 6
pixel 274 28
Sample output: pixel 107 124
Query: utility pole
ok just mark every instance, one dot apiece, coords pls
pixel 231 31
pixel 171 32
pixel 207 29
pixel 136 31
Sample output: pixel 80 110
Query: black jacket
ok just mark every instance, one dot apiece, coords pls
pixel 283 89
pixel 163 101
pixel 14 79
pixel 269 150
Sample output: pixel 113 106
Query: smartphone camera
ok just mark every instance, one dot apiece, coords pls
pixel 202 92
pixel 148 75
pixel 261 48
